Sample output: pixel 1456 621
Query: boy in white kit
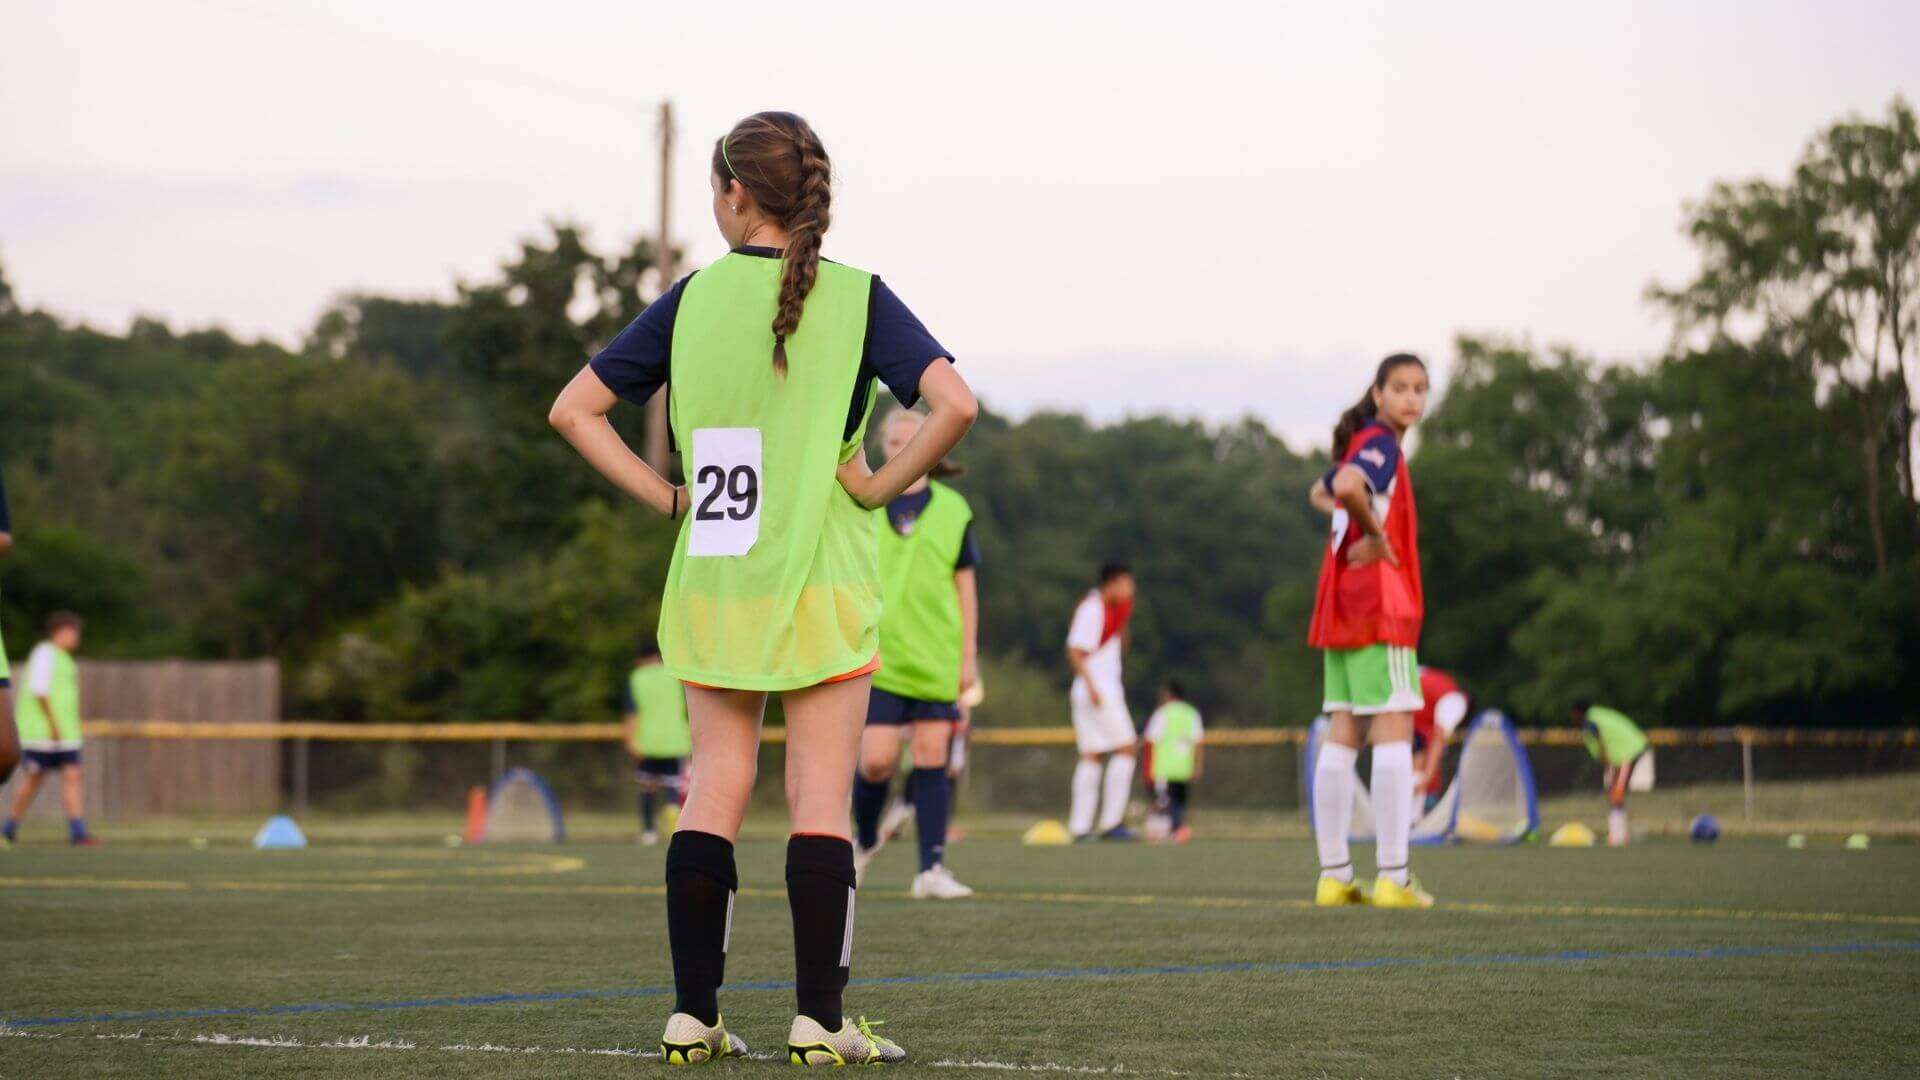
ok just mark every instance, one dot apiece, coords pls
pixel 1102 726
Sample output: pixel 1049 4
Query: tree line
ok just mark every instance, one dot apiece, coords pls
pixel 1726 533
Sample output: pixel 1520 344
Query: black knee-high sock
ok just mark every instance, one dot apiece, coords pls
pixel 1177 803
pixel 701 881
pixel 647 801
pixel 932 805
pixel 869 801
pixel 820 891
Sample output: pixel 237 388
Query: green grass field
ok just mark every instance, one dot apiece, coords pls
pixel 412 959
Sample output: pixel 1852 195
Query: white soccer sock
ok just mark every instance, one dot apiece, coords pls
pixel 1392 790
pixel 1333 783
pixel 1617 826
pixel 1113 805
pixel 1086 797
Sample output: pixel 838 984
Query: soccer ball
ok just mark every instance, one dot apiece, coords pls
pixel 1705 829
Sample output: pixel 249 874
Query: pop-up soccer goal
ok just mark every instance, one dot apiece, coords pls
pixel 1490 801
pixel 521 809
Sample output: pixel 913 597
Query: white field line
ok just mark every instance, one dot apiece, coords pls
pixel 366 1042
pixel 1079 1070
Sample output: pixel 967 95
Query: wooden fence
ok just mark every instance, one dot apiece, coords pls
pixel 139 777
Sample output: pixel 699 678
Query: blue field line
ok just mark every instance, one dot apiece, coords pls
pixel 1297 967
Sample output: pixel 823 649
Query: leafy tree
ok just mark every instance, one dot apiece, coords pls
pixel 303 494
pixel 547 638
pixel 1754 600
pixel 1828 263
pixel 408 332
pixel 515 341
pixel 59 568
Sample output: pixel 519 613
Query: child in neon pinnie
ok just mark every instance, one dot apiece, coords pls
pixel 769 356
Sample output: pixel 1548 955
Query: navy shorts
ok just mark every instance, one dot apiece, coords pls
pixel 893 710
pixel 658 766
pixel 42 760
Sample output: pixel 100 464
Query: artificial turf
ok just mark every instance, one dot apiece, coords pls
pixel 1661 959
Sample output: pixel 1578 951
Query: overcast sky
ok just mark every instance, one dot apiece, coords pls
pixel 1199 208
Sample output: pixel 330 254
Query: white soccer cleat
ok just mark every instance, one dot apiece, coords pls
pixel 854 1044
pixel 690 1042
pixel 938 883
pixel 863 858
pixel 894 821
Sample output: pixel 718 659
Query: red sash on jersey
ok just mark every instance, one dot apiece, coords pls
pixel 1114 619
pixel 1354 607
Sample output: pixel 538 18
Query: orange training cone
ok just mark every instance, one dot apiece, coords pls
pixel 476 814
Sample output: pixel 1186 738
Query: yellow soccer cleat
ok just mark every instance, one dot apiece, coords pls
pixel 1388 893
pixel 854 1044
pixel 1332 892
pixel 690 1042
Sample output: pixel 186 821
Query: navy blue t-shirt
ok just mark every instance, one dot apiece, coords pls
pixel 1378 458
pixel 905 510
pixel 898 348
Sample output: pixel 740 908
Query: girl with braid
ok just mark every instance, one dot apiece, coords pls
pixel 769 356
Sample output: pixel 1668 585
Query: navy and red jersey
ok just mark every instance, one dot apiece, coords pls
pixel 1376 604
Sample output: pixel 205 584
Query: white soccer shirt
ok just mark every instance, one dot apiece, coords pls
pixel 40 669
pixel 1103 658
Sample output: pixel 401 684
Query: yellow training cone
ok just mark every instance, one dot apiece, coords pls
pixel 1046 833
pixel 1572 834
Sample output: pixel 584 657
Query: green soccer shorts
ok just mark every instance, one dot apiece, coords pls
pixel 1374 680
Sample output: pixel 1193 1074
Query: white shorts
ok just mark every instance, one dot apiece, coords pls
pixel 1104 728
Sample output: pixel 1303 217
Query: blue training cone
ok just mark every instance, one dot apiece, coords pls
pixel 279 832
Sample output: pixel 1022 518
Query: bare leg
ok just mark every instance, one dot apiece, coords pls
pixel 73 792
pixel 9 737
pixel 1618 777
pixel 1345 729
pixel 824 725
pixel 1390 727
pixel 726 747
pixel 932 739
pixel 23 798
pixel 880 751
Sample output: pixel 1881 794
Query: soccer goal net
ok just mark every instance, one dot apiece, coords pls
pixel 1491 798
pixel 521 809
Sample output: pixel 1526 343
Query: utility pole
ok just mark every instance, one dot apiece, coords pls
pixel 656 433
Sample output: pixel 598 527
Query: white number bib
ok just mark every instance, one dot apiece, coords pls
pixel 725 491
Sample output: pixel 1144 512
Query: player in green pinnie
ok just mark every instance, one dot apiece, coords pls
pixel 769 356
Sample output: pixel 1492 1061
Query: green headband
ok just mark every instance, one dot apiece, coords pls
pixel 723 155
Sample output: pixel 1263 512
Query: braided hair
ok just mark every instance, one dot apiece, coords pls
pixel 781 162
